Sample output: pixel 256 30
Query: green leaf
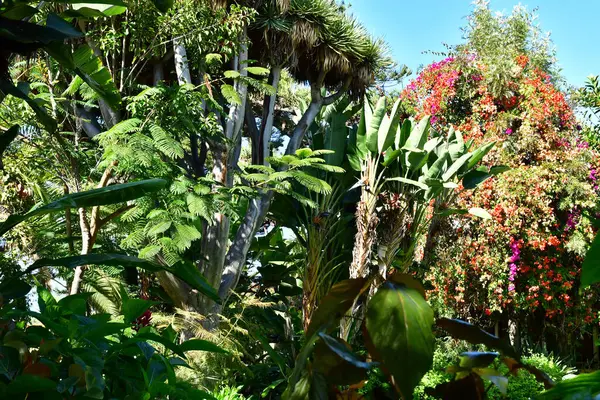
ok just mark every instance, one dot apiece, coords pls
pixel 57 23
pixel 334 359
pixel 418 184
pixel 201 345
pixel 10 362
pixel 464 331
pixel 374 123
pixel 258 71
pixel 96 197
pixel 419 134
pixel 76 303
pixel 479 153
pixel 402 133
pixel 231 96
pixel 388 128
pixel 335 139
pixel 399 326
pixel 183 270
pixel 456 165
pixel 335 304
pixel 435 171
pixel 7 87
pixel 14 288
pixel 30 384
pixel 590 270
pixel 134 308
pixel 231 74
pixel 583 386
pixel 480 212
pixel 474 178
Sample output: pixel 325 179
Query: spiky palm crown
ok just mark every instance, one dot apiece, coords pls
pixel 317 41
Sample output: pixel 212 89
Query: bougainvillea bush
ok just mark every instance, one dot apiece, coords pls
pixel 524 263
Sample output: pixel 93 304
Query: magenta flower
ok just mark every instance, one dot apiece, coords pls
pixel 509 131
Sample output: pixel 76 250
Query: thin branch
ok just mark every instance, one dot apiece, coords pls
pixel 114 215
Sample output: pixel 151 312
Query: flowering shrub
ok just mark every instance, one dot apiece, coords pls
pixel 528 257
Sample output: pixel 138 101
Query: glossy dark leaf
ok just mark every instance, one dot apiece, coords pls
pixel 470 387
pixel 29 384
pixel 464 331
pixel 335 360
pixel 335 304
pixel 14 289
pixel 399 325
pixel 7 87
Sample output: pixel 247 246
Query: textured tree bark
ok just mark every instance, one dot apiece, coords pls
pixel 514 335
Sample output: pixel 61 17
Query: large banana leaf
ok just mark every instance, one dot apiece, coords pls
pixel 96 197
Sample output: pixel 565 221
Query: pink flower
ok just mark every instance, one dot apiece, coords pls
pixel 509 131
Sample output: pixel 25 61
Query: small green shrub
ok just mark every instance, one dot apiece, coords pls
pixel 523 386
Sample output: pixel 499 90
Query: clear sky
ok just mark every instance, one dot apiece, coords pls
pixel 413 26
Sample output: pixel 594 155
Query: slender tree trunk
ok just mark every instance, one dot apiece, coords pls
pixel 514 335
pixel 157 73
pixel 86 245
pixel 268 116
pixel 182 67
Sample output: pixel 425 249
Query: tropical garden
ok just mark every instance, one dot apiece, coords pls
pixel 252 200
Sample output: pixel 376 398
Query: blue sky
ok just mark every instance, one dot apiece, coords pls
pixel 413 26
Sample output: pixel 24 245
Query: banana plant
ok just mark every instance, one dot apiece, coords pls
pixel 405 167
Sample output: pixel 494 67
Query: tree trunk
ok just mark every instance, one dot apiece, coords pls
pixel 182 67
pixel 86 246
pixel 268 116
pixel 514 335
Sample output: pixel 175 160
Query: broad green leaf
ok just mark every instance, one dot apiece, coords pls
pixel 134 308
pixel 590 270
pixel 474 178
pixel 335 304
pixel 75 303
pixel 335 139
pixel 464 331
pixel 374 123
pixel 399 326
pixel 391 156
pixel 14 288
pixel 334 359
pixel 456 165
pixel 583 386
pixel 231 74
pixel 388 128
pixel 416 160
pixel 201 345
pixel 418 184
pixel 258 71
pixel 96 197
pixel 29 384
pixel 479 153
pixel 89 67
pixel 480 212
pixel 402 133
pixel 419 134
pixel 57 23
pixel 436 169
